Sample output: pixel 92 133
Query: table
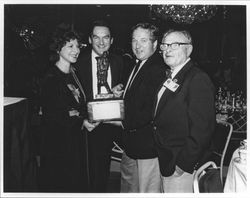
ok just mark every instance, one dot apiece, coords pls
pixel 236 180
pixel 19 174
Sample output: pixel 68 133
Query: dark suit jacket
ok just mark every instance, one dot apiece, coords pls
pixel 139 100
pixel 184 121
pixel 84 70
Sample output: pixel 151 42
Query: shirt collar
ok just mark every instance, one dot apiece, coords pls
pixel 178 68
pixel 94 54
pixel 142 62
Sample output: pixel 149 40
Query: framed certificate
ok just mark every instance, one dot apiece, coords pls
pixel 106 110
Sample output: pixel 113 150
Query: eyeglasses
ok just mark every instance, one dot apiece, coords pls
pixel 174 46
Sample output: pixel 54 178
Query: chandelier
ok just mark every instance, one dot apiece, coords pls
pixel 31 37
pixel 185 14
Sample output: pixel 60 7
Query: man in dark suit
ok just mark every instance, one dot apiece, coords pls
pixel 101 135
pixel 139 166
pixel 184 116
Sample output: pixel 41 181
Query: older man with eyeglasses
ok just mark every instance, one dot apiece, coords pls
pixel 184 114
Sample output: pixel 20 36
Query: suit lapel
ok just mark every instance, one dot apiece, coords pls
pixel 179 78
pixel 114 71
pixel 140 75
pixel 166 95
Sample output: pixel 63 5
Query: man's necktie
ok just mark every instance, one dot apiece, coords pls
pixel 134 72
pixel 136 68
pixel 169 73
pixel 98 58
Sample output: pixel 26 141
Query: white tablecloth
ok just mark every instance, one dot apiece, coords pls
pixel 11 100
pixel 236 180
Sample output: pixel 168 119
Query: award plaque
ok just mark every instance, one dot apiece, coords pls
pixel 106 110
pixel 105 107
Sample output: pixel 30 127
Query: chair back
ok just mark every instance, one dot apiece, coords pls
pixel 207 179
pixel 220 142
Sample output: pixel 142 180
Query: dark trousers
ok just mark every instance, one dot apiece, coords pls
pixel 100 145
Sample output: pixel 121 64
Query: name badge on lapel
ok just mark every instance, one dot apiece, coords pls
pixel 171 85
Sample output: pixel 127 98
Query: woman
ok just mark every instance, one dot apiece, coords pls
pixel 63 149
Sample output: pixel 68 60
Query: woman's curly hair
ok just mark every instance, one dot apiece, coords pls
pixel 60 36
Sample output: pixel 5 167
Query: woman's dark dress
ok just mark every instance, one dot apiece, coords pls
pixel 63 148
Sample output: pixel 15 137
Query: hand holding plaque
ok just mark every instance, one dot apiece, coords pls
pixel 107 106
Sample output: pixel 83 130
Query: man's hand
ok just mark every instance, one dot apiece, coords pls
pixel 89 126
pixel 117 90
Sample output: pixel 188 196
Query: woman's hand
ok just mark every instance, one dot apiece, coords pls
pixel 88 125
